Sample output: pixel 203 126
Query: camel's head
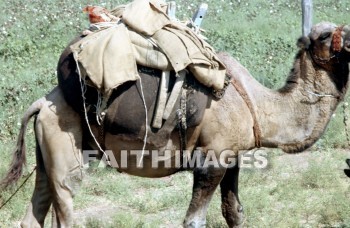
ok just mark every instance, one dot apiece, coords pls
pixel 327 44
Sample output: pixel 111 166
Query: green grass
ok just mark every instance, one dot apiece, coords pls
pixel 261 34
pixel 308 190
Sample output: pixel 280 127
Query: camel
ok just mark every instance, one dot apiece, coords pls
pixel 249 115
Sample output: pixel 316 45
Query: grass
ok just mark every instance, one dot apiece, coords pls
pixel 261 34
pixel 307 190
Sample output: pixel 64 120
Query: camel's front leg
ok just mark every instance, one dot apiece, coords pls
pixel 206 180
pixel 231 207
pixel 59 135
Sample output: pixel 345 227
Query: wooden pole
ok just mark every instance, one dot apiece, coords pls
pixel 161 102
pixel 307 16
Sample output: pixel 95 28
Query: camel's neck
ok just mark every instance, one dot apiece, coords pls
pixel 294 117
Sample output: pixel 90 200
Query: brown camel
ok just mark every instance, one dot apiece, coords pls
pixel 292 119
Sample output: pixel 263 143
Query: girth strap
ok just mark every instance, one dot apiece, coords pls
pixel 244 95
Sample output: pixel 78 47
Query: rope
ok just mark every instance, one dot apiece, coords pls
pixel 146 116
pixel 103 25
pixel 83 91
pixel 13 194
pixel 181 119
pixel 345 121
pixel 320 95
pixel 99 109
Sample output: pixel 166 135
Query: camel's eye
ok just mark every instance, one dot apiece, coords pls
pixel 324 36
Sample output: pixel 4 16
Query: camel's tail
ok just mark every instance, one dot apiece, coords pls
pixel 19 154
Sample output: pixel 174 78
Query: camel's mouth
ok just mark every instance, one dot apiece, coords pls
pixel 347 45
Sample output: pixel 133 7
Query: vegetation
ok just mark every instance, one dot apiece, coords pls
pixel 261 34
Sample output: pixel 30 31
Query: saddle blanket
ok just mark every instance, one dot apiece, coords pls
pixel 145 36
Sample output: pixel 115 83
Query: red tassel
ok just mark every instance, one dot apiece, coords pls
pixel 99 14
pixel 336 43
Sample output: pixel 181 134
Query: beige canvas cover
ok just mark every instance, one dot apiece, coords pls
pixel 146 16
pixel 147 53
pixel 109 56
pixel 185 49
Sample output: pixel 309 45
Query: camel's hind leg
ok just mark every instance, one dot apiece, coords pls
pixel 42 197
pixel 231 207
pixel 59 135
pixel 206 180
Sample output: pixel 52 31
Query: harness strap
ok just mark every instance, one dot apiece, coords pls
pixel 244 95
pixel 336 48
pixel 101 132
pixel 182 120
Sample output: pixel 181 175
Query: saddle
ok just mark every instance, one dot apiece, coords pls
pixel 121 66
pixel 126 112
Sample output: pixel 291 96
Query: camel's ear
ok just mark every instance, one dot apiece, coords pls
pixel 303 42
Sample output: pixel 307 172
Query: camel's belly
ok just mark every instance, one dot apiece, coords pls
pixel 127 156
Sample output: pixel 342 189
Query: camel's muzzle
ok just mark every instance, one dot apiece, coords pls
pixel 346 30
pixel 347 45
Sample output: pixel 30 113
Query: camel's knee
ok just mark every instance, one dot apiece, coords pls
pixel 206 181
pixel 64 186
pixel 233 213
pixel 72 182
pixel 231 207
